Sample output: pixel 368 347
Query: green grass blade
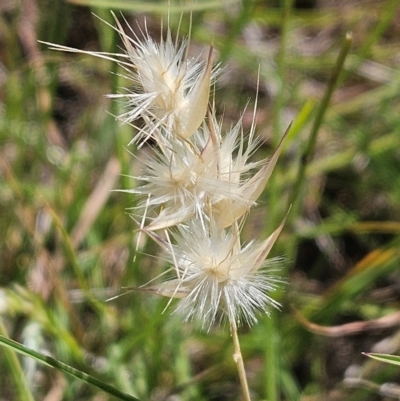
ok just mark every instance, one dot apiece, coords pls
pixel 243 18
pixel 21 385
pixel 62 367
pixel 272 360
pixel 393 359
pixel 282 66
pixel 299 122
pixel 72 257
pixel 309 150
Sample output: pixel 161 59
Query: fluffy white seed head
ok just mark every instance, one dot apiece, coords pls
pixel 217 277
pixel 172 190
pixel 169 90
pixel 245 187
pixel 200 180
pixel 210 175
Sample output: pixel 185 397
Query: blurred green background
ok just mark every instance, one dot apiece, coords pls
pixel 67 243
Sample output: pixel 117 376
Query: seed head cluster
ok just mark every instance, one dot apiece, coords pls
pixel 199 183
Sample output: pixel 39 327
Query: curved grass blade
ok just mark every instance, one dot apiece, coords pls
pixel 375 264
pixel 62 367
pixel 20 383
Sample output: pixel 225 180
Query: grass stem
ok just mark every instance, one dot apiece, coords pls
pixel 310 146
pixel 237 356
pixel 61 367
pixel 21 385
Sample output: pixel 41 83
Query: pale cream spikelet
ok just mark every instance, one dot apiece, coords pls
pixel 218 277
pixel 203 178
pixel 171 90
pixel 246 180
pixel 172 190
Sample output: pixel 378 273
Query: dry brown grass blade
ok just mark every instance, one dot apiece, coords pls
pixel 347 329
pixel 96 201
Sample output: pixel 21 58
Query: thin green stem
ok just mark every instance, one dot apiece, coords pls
pixel 279 101
pixel 241 21
pixel 271 361
pixel 238 358
pixel 310 146
pixel 62 367
pixel 120 146
pixel 71 256
pixel 21 386
pixel 118 136
pixel 281 69
pixel 387 14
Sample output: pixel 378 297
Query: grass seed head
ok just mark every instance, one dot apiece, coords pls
pixel 172 90
pixel 217 277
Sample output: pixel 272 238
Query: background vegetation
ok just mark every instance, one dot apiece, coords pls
pixel 67 244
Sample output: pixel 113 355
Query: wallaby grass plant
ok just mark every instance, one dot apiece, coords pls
pixel 196 190
pixel 68 245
